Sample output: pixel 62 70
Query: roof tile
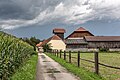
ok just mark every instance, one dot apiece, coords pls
pixel 102 38
pixel 54 37
pixel 81 29
pixel 59 30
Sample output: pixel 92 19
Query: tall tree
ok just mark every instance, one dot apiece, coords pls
pixel 32 41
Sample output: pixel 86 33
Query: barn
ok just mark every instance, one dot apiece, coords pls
pixel 76 40
pixel 111 43
pixel 81 39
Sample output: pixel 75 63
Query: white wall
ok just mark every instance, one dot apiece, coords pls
pixel 77 49
pixel 82 49
pixel 117 49
pixel 57 44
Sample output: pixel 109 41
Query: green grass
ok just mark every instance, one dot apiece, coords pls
pixel 27 71
pixel 80 72
pixel 112 59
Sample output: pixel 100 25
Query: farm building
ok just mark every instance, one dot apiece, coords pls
pixel 82 40
pixel 40 48
pixel 75 41
pixel 59 32
pixel 112 43
pixel 55 42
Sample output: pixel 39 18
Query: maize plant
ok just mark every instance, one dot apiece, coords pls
pixel 13 52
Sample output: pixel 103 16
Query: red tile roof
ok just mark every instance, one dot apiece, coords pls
pixel 59 30
pixel 54 37
pixel 81 29
pixel 39 44
pixel 102 38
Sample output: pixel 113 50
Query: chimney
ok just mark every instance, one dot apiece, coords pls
pixel 59 32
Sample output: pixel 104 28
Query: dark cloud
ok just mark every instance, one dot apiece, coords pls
pixel 10 10
pixel 24 9
pixel 19 13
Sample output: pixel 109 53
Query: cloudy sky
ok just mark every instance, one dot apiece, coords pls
pixel 26 18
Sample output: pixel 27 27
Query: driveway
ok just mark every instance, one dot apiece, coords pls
pixel 48 69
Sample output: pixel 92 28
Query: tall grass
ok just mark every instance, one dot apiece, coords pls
pixel 27 71
pixel 13 52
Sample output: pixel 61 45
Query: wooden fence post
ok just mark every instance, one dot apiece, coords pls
pixel 96 63
pixel 78 59
pixel 50 51
pixel 54 52
pixel 64 55
pixel 57 53
pixel 60 53
pixel 69 56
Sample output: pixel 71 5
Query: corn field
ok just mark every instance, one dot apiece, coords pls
pixel 13 52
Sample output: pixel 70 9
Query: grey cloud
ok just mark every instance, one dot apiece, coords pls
pixel 9 10
pixel 26 12
pixel 24 9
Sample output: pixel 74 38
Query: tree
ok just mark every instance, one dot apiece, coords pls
pixel 32 41
pixel 47 47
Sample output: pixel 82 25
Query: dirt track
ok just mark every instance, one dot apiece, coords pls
pixel 48 69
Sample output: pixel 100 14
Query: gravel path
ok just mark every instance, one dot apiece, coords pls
pixel 48 69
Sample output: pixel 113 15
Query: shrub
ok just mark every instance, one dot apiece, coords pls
pixel 103 49
pixel 47 47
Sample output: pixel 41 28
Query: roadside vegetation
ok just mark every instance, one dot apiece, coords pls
pixel 47 47
pixel 27 71
pixel 13 53
pixel 80 72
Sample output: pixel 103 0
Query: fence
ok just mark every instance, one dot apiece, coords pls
pixel 96 59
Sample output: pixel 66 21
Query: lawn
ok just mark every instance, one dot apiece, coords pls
pixel 27 71
pixel 112 59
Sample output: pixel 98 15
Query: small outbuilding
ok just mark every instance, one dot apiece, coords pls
pixel 55 42
pixel 39 47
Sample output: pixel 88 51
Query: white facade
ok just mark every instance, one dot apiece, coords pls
pixel 57 44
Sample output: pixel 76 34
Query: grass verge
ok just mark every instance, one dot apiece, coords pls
pixel 27 71
pixel 80 72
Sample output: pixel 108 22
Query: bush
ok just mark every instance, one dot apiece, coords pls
pixel 47 47
pixel 34 53
pixel 103 49
pixel 13 52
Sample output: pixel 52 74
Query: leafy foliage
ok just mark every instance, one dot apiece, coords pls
pixel 32 41
pixel 103 49
pixel 47 47
pixel 13 52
